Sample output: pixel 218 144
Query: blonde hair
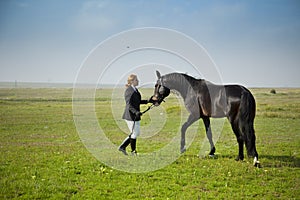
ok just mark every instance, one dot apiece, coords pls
pixel 130 79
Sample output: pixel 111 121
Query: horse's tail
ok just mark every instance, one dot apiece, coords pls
pixel 246 122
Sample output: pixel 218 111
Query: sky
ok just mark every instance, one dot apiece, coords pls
pixel 253 43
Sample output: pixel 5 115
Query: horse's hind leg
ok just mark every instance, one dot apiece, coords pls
pixel 250 144
pixel 209 135
pixel 240 139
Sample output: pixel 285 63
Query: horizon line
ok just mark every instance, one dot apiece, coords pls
pixel 35 84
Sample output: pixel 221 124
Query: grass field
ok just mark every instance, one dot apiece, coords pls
pixel 42 156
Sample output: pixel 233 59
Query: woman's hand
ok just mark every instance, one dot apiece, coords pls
pixel 151 100
pixel 138 113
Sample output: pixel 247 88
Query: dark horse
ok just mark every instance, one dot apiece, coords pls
pixel 204 100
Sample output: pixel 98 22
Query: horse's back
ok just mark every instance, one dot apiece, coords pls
pixel 234 90
pixel 236 96
pixel 226 99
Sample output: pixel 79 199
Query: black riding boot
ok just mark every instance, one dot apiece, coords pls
pixel 133 146
pixel 123 146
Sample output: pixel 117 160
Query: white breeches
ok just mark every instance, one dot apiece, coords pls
pixel 136 130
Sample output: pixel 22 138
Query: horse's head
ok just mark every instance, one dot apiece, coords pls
pixel 160 91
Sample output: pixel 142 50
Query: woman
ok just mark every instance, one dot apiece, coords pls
pixel 132 114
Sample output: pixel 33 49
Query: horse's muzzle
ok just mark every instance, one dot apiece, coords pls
pixel 156 100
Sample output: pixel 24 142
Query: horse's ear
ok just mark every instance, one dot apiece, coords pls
pixel 158 74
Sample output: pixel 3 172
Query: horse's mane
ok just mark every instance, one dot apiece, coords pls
pixel 182 82
pixel 181 77
pixel 190 78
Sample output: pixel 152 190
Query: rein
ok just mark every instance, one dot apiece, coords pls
pixel 149 107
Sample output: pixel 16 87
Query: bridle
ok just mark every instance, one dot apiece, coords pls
pixel 160 94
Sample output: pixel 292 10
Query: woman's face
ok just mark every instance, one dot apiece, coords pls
pixel 135 82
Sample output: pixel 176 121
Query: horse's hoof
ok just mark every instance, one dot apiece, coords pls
pixel 256 163
pixel 211 155
pixel 238 158
pixel 212 151
pixel 182 150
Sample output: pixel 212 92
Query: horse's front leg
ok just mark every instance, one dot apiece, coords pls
pixel 190 121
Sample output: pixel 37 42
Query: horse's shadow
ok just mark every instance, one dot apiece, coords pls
pixel 268 161
pixel 275 161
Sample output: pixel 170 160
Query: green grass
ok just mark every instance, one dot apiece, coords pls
pixel 43 157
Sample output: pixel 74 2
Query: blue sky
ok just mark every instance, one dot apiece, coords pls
pixel 254 43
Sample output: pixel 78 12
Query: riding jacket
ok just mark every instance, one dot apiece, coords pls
pixel 133 101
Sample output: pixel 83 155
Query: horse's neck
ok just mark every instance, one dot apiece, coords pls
pixel 180 84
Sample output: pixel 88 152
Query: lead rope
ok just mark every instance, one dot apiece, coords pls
pixel 149 107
